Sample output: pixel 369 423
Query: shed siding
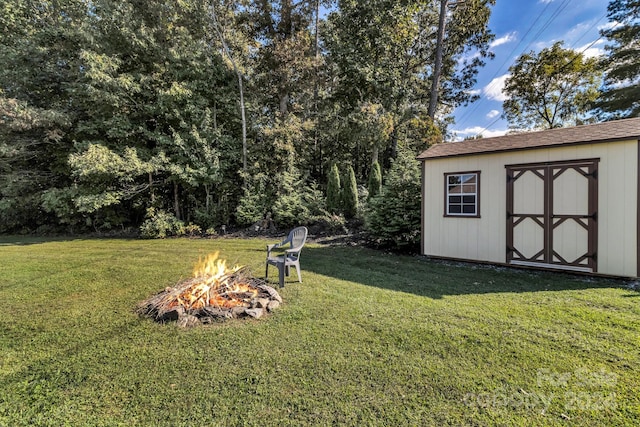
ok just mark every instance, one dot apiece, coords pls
pixel 484 238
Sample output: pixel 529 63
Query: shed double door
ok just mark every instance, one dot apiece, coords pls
pixel 552 215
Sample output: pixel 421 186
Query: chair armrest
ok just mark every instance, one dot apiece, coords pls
pixel 293 250
pixel 272 247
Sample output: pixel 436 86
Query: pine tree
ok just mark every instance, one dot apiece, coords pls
pixel 350 194
pixel 375 180
pixel 394 217
pixel 333 190
pixel 621 93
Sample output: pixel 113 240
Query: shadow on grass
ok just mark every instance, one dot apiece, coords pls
pixel 435 279
pixel 12 240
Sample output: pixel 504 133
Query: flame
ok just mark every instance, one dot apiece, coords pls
pixel 212 286
pixel 213 267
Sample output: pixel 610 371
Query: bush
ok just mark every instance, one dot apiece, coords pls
pixel 393 218
pixel 160 224
pixel 192 230
pixel 329 224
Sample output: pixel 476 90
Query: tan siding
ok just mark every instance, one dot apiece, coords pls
pixel 484 238
pixel 617 211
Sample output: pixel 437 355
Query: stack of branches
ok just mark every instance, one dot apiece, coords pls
pixel 203 295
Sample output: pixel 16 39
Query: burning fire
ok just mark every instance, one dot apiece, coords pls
pixel 214 284
pixel 214 293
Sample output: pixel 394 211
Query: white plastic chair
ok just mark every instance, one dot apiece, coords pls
pixel 291 257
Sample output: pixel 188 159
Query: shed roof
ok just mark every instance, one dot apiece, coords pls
pixel 600 132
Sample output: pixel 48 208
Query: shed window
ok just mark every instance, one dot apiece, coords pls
pixel 462 194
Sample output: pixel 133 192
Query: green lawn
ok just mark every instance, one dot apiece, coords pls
pixel 368 339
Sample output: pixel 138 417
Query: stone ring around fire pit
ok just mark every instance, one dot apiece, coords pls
pixel 214 294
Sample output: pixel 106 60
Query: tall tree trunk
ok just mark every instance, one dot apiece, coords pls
pixel 316 148
pixel 284 104
pixel 437 67
pixel 225 47
pixel 152 193
pixel 176 200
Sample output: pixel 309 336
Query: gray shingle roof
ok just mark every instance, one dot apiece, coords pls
pixel 601 132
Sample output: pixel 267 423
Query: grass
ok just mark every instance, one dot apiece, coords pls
pixel 368 339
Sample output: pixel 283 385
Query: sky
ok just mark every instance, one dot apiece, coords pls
pixel 522 26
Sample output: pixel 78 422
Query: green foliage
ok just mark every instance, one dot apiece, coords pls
pixel 554 88
pixel 349 194
pixel 133 104
pixel 383 53
pixel 334 190
pixel 394 216
pixel 254 203
pixel 60 201
pixel 375 180
pixel 289 208
pixel 620 95
pixel 160 224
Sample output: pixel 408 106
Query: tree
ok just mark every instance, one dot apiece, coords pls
pixel 621 90
pixel 333 190
pixel 40 50
pixel 349 194
pixel 149 87
pixel 394 217
pixel 554 88
pixel 382 54
pixel 375 180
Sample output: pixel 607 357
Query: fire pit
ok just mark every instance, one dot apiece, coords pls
pixel 215 293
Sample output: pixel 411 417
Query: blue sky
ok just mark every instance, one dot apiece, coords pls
pixel 522 26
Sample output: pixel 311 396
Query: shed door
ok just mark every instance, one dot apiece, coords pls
pixel 552 215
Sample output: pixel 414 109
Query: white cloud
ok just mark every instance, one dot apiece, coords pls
pixel 503 40
pixel 476 130
pixel 493 90
pixel 492 114
pixel 592 51
pixel 608 25
pixel 545 1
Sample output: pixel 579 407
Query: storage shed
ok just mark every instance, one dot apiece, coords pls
pixel 562 199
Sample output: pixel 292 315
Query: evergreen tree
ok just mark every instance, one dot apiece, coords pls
pixel 349 194
pixel 333 190
pixel 375 181
pixel 621 90
pixel 394 217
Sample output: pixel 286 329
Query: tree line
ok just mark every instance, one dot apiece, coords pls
pixel 179 116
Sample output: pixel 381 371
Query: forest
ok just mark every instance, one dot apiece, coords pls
pixel 169 117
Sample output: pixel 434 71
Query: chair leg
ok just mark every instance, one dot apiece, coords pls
pixel 299 275
pixel 266 272
pixel 281 268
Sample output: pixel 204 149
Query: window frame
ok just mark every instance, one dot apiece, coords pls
pixel 475 194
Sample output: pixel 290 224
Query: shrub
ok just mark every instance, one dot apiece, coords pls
pixel 160 224
pixel 192 230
